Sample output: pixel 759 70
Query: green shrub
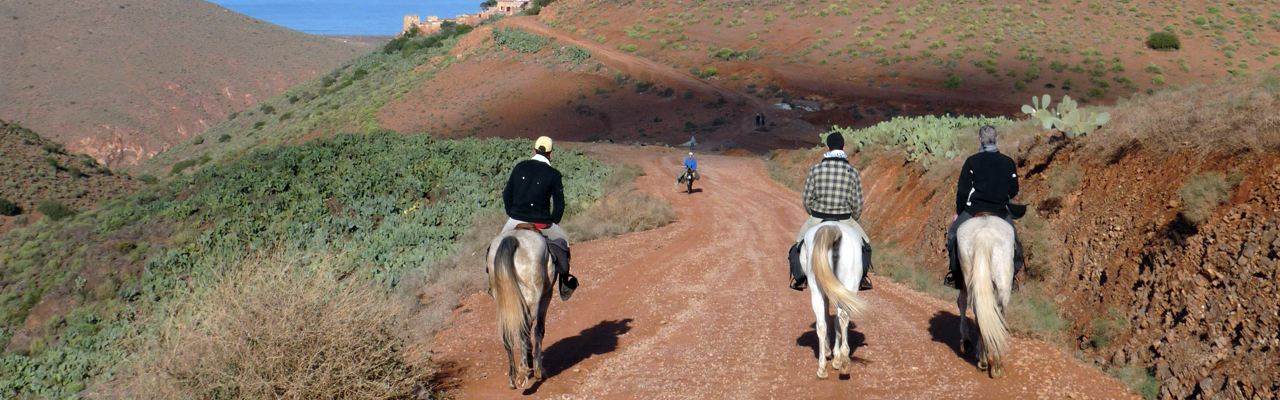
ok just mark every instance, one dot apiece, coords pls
pixel 198 140
pixel 953 81
pixel 148 179
pixel 572 54
pixel 268 109
pixel 1164 41
pixel 1157 80
pixel 224 138
pixel 8 208
pixel 519 40
pixel 54 209
pixel 1154 69
pixel 630 48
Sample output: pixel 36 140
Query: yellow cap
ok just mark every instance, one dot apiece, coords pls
pixel 543 143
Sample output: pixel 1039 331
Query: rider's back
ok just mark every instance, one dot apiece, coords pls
pixel 533 184
pixel 988 180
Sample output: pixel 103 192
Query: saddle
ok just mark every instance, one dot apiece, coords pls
pixel 530 227
pixel 981 214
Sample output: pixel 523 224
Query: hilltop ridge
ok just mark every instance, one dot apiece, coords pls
pixel 124 80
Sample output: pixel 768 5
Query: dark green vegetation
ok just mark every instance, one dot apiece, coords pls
pixel 519 40
pixel 1163 41
pixel 384 205
pixel 8 209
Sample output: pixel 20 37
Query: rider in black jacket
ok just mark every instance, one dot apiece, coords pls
pixel 988 182
pixel 535 195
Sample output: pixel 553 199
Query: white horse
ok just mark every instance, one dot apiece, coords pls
pixel 841 285
pixel 986 260
pixel 520 281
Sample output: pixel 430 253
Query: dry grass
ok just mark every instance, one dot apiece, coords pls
pixel 1202 193
pixel 279 328
pixel 623 210
pixel 1227 117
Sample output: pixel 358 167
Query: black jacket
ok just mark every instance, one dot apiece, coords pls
pixel 988 181
pixel 530 190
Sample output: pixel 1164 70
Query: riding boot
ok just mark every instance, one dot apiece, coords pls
pixel 560 256
pixel 1018 260
pixel 953 278
pixel 866 266
pixel 798 280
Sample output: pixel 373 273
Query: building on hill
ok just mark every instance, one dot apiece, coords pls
pixel 433 23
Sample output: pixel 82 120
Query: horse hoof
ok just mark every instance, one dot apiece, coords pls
pixel 996 372
pixel 982 365
pixel 822 376
pixel 965 346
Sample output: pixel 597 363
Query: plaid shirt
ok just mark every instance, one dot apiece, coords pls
pixel 833 187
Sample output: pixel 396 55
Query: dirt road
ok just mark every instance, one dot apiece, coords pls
pixel 700 309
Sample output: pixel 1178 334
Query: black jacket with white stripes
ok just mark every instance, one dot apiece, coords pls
pixel 988 182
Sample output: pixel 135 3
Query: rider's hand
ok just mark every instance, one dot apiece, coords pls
pixel 954 217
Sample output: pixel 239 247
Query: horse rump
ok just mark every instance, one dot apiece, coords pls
pixel 823 240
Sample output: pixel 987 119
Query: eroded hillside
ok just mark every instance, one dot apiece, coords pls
pixel 124 80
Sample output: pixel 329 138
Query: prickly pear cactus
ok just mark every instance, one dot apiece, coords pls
pixel 1067 118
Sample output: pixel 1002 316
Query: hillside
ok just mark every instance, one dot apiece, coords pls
pixel 665 71
pixel 662 71
pixel 124 80
pixel 39 170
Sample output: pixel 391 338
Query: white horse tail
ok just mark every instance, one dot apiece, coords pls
pixel 513 316
pixel 982 295
pixel 823 239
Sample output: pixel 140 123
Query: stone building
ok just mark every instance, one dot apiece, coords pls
pixel 432 24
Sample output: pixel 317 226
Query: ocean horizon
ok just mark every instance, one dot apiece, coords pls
pixel 347 17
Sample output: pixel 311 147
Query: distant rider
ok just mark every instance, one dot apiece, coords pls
pixel 535 195
pixel 988 182
pixel 832 191
pixel 691 165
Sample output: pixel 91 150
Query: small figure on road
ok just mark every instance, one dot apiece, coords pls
pixel 690 173
pixel 832 192
pixel 988 183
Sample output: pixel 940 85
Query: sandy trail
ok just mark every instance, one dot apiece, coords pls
pixel 700 309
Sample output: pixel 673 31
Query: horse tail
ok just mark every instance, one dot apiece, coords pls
pixel 981 287
pixel 823 239
pixel 513 316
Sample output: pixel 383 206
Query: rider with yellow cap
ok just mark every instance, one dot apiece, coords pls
pixel 535 195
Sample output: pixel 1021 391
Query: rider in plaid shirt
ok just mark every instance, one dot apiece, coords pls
pixel 833 191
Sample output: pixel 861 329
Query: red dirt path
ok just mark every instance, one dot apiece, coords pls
pixel 700 309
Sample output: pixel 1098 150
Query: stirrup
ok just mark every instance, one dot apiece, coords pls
pixel 799 284
pixel 949 279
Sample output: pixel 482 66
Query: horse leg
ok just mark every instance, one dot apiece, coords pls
pixel 539 331
pixel 842 342
pixel 820 328
pixel 962 302
pixel 511 366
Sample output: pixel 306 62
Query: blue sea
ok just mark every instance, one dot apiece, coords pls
pixel 348 17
